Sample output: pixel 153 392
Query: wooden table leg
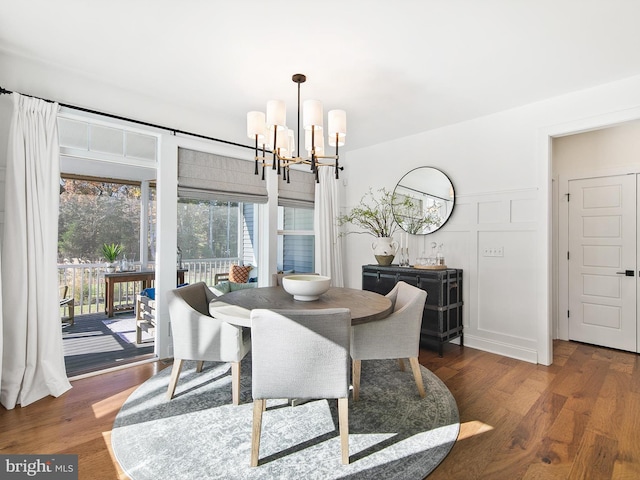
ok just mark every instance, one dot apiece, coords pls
pixel 109 299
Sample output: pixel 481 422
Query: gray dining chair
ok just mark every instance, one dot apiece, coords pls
pixel 300 354
pixel 198 336
pixel 396 336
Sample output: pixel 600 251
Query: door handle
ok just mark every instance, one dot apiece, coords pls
pixel 627 273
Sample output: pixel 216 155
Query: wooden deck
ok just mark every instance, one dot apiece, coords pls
pixel 96 342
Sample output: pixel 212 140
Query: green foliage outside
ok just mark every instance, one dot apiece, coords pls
pixel 93 214
pixel 96 213
pixel 208 229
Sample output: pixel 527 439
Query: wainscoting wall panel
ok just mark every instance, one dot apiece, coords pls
pixel 492 237
pixel 523 210
pixel 490 211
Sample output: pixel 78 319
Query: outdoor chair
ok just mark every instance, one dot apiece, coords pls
pixel 145 314
pixel 67 304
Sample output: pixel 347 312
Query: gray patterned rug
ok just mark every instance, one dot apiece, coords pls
pixel 393 433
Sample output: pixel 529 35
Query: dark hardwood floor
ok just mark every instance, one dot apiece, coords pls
pixel 577 419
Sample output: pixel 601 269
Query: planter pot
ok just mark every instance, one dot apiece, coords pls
pixel 384 249
pixel 110 267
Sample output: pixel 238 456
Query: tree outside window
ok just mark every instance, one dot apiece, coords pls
pixel 208 229
pixel 93 213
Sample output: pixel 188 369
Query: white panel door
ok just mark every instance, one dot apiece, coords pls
pixel 602 261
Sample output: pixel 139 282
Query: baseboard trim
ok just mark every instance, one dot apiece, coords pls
pixel 500 348
pixel 113 369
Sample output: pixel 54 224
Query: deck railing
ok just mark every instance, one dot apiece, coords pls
pixel 87 287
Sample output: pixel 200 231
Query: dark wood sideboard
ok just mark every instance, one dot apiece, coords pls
pixel 442 316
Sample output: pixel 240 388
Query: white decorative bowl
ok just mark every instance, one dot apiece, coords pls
pixel 306 287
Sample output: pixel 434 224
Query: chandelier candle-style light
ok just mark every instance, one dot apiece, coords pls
pixel 270 133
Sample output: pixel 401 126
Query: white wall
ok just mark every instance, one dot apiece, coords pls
pixel 500 168
pixel 51 82
pixel 611 147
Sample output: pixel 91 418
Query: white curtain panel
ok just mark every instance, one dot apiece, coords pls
pixel 33 359
pixel 326 212
pixel 1 317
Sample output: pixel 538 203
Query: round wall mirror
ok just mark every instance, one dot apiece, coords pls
pixel 423 200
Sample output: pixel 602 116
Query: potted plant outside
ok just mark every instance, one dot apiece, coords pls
pixel 111 252
pixel 374 215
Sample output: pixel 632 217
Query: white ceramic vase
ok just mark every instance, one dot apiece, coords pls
pixel 384 249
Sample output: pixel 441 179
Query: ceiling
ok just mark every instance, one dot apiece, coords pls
pixel 397 68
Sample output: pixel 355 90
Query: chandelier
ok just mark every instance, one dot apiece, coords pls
pixel 271 135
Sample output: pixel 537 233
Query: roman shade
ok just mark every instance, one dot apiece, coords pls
pixel 300 192
pixel 207 176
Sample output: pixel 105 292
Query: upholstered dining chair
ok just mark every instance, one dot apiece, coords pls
pixel 396 336
pixel 198 336
pixel 301 354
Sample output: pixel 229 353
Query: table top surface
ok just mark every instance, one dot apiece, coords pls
pixel 235 307
pixel 142 273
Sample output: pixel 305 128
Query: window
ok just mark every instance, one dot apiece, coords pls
pixel 214 234
pixel 296 239
pixel 208 229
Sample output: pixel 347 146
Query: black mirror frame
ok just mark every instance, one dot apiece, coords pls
pixel 453 200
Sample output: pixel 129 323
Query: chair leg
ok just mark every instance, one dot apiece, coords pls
pixel 401 364
pixel 417 375
pixel 355 378
pixel 72 311
pixel 199 366
pixel 343 422
pixel 235 382
pixel 175 373
pixel 258 407
pixel 138 333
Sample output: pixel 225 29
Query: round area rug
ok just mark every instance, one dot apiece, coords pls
pixel 200 434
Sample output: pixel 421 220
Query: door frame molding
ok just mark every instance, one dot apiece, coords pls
pixel 548 270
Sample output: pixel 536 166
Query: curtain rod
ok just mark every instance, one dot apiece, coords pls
pixel 139 122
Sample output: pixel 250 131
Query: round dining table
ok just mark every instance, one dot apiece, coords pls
pixel 235 307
